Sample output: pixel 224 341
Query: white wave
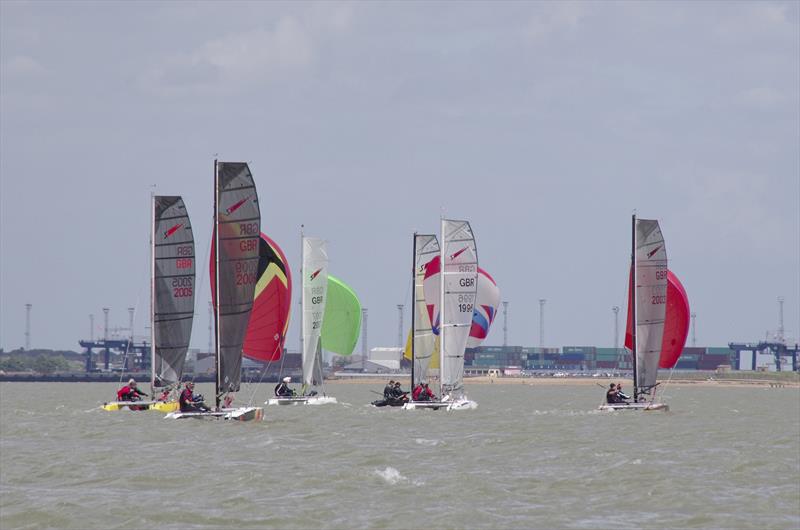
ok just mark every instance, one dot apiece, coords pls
pixel 431 443
pixel 391 475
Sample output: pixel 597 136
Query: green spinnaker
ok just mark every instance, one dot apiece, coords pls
pixel 341 324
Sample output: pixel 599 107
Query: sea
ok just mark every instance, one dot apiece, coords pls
pixel 530 456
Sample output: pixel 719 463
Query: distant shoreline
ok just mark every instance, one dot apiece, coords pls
pixel 705 379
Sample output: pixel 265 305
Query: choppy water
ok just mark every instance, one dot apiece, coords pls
pixel 529 456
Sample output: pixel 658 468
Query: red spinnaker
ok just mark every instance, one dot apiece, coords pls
pixel 269 320
pixel 676 323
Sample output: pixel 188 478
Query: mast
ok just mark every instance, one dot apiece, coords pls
pixel 152 293
pixel 218 382
pixel 633 308
pixel 442 284
pixel 413 307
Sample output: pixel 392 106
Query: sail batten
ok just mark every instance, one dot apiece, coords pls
pixel 173 288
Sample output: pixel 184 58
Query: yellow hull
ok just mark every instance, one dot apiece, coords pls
pixel 159 406
pixel 165 406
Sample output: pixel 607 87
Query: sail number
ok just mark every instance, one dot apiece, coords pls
pixel 246 272
pixel 661 274
pixel 658 299
pixel 465 308
pixel 248 229
pixel 466 282
pixel 183 263
pixel 182 286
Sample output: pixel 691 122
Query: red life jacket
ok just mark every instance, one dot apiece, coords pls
pixel 124 393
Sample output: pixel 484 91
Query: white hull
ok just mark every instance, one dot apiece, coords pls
pixel 302 400
pixel 459 404
pixel 647 407
pixel 239 414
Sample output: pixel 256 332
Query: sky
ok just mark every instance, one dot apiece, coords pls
pixel 545 124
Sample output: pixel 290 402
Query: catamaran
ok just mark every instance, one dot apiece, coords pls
pixel 658 316
pixel 235 257
pixel 455 286
pixel 172 268
pixel 314 273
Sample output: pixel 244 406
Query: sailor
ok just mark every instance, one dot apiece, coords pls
pixel 621 396
pixel 611 394
pixel 388 390
pixel 416 392
pixel 191 402
pixel 425 394
pixel 129 392
pixel 398 394
pixel 282 389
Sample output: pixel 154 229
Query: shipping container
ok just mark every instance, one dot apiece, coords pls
pixel 605 364
pixel 693 350
pixel 719 350
pixel 708 365
pixel 578 349
pixel 573 356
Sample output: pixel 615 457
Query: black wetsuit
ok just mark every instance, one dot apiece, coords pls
pixel 283 390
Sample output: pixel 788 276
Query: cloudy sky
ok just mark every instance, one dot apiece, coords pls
pixel 544 124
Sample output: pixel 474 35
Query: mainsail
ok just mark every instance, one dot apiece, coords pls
pixel 649 283
pixel 315 286
pixel 426 250
pixel 341 322
pixel 173 288
pixel 456 300
pixel 238 221
pixel 269 320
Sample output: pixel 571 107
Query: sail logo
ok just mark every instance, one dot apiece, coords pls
pixel 652 252
pixel 314 275
pixel 172 230
pixel 457 254
pixel 237 205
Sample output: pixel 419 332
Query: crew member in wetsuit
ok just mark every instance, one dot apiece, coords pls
pixel 397 393
pixel 189 402
pixel 388 390
pixel 621 396
pixel 130 392
pixel 611 394
pixel 282 389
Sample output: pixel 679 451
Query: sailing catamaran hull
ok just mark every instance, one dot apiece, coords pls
pixel 302 400
pixel 460 404
pixel 239 414
pixel 165 406
pixel 128 405
pixel 646 407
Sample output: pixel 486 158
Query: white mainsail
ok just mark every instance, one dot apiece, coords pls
pixel 651 300
pixel 459 283
pixel 315 286
pixel 427 249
